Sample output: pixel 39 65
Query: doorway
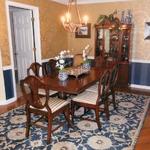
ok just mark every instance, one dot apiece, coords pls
pixel 22 32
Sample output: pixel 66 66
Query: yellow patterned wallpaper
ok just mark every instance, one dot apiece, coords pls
pixel 2 89
pixel 54 38
pixel 141 14
pixel 4 35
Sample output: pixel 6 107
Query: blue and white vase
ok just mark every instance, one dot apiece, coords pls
pixel 87 66
pixel 63 75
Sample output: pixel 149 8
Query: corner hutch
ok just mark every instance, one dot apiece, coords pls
pixel 112 41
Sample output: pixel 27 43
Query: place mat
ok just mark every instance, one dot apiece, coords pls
pixel 77 71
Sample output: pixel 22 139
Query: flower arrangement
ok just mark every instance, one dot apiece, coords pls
pixel 61 59
pixel 86 63
pixel 85 53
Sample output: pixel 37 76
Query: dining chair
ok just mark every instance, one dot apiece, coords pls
pixel 99 61
pixel 44 106
pixel 77 60
pixel 92 100
pixel 112 85
pixel 35 69
pixel 51 67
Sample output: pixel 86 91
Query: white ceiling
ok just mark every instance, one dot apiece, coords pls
pixel 89 1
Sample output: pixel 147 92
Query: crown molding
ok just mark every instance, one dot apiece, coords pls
pixel 90 1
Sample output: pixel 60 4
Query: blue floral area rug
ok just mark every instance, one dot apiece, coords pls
pixel 119 133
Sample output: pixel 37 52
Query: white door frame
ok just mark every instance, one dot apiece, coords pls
pixel 36 34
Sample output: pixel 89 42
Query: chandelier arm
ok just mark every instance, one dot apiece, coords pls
pixel 66 20
pixel 78 13
pixel 69 5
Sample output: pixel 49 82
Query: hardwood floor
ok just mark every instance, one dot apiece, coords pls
pixel 143 142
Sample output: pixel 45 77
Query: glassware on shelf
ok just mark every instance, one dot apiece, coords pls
pixel 128 18
pixel 123 17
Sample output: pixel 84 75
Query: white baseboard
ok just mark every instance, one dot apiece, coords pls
pixel 5 102
pixel 140 86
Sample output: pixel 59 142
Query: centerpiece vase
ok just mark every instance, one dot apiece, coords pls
pixel 63 75
pixel 87 65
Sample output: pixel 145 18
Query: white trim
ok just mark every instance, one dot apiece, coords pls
pixel 71 56
pixel 46 60
pixel 7 67
pixel 91 57
pixel 20 5
pixel 7 4
pixel 140 61
pixel 140 86
pixel 37 35
pixel 100 1
pixel 2 85
pixel 89 1
pixel 8 101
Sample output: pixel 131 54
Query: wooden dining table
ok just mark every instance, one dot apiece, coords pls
pixel 75 85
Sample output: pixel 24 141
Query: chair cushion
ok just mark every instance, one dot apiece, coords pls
pixel 42 92
pixel 93 88
pixel 54 103
pixel 87 97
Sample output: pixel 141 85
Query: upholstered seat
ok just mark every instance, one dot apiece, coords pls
pixel 93 88
pixel 54 104
pixel 51 92
pixel 87 97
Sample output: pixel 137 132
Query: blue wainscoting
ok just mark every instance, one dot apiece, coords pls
pixel 8 81
pixel 140 73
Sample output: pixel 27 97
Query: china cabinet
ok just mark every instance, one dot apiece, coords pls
pixel 112 41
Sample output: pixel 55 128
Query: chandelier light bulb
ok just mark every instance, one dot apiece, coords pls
pixel 63 19
pixel 68 17
pixel 85 19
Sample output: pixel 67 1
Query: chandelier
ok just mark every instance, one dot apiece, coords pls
pixel 67 18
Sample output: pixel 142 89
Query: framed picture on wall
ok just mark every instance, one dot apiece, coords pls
pixel 147 31
pixel 84 31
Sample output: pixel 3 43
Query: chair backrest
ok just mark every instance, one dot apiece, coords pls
pixel 103 86
pixel 77 60
pixel 30 89
pixel 34 69
pixel 99 61
pixel 51 67
pixel 114 76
